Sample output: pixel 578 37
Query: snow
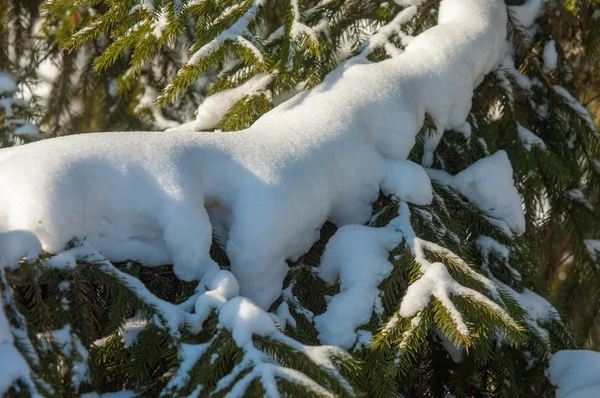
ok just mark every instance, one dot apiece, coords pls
pixel 222 287
pixel 576 106
pixel 323 154
pixel 575 373
pixel 358 255
pixel 435 279
pixel 437 282
pixel 8 84
pixel 528 12
pixel 234 33
pixel 9 103
pixel 536 307
pixel 131 329
pixel 407 181
pixel 16 245
pixel 244 319
pixel 578 196
pixel 146 101
pixel 489 184
pixel 383 34
pixel 189 354
pixel 593 248
pixel 529 139
pixel 25 128
pixel 550 56
pixel 64 261
pixel 283 312
pixel 214 107
pixel 363 340
pixel 486 245
pixel 72 348
pixel 13 366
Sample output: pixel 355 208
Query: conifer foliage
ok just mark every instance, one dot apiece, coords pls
pixel 454 296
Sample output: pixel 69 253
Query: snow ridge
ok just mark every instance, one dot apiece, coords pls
pixel 156 197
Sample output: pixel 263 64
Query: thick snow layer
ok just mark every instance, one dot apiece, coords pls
pixel 155 197
pixel 575 373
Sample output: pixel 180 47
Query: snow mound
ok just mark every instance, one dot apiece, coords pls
pixel 324 154
pixel 16 245
pixel 489 184
pixel 576 373
pixel 244 319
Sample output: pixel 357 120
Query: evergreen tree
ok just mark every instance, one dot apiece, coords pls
pixel 436 298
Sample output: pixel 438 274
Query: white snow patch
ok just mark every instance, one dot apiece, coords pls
pixel 576 106
pixel 489 184
pixel 243 319
pixel 358 255
pixel 63 261
pixel 550 56
pixel 528 12
pixel 576 373
pixel 409 182
pixel 13 366
pixel 8 83
pixel 593 248
pixel 283 312
pixel 71 347
pixel 131 330
pixel 189 354
pixel 529 139
pixel 578 196
pixel 364 338
pixel 213 108
pixel 485 244
pixel 16 245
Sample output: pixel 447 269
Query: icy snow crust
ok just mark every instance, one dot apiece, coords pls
pixel 156 197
